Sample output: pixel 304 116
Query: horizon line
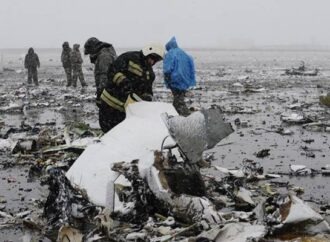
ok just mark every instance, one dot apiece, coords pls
pixel 232 48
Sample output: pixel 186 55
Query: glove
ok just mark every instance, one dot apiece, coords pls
pixel 147 97
pixel 126 86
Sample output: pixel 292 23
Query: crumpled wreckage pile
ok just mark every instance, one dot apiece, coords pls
pixel 143 182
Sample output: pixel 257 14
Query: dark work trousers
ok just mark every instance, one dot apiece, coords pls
pixel 33 74
pixel 68 73
pixel 77 73
pixel 178 102
pixel 109 117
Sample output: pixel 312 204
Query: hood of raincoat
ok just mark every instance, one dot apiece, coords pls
pixel 30 51
pixel 96 49
pixel 65 44
pixel 76 46
pixel 172 44
pixel 94 45
pixel 178 67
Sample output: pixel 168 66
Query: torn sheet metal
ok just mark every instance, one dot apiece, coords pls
pixel 318 126
pixel 297 72
pixel 78 145
pixel 325 170
pixel 199 131
pixel 241 232
pixel 289 214
pixel 184 204
pixel 66 205
pixel 301 170
pixel 297 168
pixel 235 232
pixel 25 146
pixel 254 90
pixel 303 218
pixel 67 233
pixel 164 188
pixel 138 135
pixel 244 196
pixel 300 212
pixel 6 144
pixel 285 131
pixel 293 118
pixel 296 118
pixel 249 169
pixel 232 172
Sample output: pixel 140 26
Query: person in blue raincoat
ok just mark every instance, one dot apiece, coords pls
pixel 179 74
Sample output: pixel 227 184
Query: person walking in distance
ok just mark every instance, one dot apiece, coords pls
pixel 76 62
pixel 66 62
pixel 32 63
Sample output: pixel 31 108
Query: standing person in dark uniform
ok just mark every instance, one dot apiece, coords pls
pixel 76 62
pixel 179 74
pixel 66 62
pixel 102 55
pixel 31 63
pixel 131 73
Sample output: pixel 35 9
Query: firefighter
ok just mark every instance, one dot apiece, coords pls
pixel 76 62
pixel 102 55
pixel 66 62
pixel 131 73
pixel 179 74
pixel 31 63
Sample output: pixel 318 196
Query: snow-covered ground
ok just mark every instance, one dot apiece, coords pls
pixel 247 85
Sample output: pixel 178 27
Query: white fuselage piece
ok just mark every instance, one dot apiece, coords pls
pixel 137 137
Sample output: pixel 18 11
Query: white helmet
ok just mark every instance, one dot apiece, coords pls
pixel 155 49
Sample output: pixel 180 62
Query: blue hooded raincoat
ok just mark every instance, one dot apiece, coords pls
pixel 179 66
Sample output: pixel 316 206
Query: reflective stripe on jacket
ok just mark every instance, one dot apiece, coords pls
pixel 128 74
pixel 112 101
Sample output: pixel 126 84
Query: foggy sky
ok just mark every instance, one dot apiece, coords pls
pixel 195 23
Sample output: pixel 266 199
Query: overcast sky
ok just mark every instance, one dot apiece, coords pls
pixel 195 23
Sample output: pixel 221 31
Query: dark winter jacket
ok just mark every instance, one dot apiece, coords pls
pixel 76 56
pixel 31 60
pixel 129 74
pixel 103 59
pixel 66 57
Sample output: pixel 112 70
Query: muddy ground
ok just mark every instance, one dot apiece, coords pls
pixel 222 80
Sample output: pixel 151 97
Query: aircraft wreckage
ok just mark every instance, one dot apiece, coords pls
pixel 165 151
pixel 142 182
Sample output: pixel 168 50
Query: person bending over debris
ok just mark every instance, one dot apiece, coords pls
pixel 66 62
pixel 179 74
pixel 76 62
pixel 131 73
pixel 31 63
pixel 102 55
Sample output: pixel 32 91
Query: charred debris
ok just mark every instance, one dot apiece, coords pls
pixel 172 199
